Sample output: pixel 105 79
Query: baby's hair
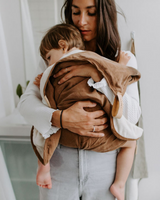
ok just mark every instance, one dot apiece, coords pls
pixel 66 32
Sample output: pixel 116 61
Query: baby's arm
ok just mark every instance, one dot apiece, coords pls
pixel 124 58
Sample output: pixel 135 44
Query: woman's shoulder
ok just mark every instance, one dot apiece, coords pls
pixel 133 61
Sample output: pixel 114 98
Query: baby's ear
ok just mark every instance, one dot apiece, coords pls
pixel 64 45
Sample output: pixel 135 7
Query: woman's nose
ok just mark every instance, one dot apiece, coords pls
pixel 82 19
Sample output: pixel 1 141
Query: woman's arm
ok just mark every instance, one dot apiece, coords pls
pixel 47 120
pixel 33 110
pixel 79 121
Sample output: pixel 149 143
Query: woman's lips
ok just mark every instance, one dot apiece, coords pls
pixel 84 32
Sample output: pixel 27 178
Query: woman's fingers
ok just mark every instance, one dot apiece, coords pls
pixel 100 128
pixel 98 122
pixel 66 77
pixel 79 121
pixel 93 134
pixel 83 104
pixel 96 114
pixel 71 71
pixel 63 71
pixel 69 74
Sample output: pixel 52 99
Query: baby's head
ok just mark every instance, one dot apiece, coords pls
pixel 59 40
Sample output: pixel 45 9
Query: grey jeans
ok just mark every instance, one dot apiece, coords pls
pixel 80 174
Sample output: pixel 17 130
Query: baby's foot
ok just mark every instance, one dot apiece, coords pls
pixel 117 190
pixel 43 178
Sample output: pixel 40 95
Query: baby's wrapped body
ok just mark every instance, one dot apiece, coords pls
pixel 76 89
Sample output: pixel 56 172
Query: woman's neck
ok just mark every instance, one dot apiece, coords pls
pixel 90 45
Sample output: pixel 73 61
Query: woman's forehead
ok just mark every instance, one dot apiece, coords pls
pixel 83 4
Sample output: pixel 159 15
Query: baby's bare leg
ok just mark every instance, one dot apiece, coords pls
pixel 124 164
pixel 43 178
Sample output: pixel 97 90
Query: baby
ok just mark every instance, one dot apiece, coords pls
pixel 55 45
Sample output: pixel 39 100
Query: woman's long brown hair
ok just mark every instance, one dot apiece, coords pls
pixel 108 39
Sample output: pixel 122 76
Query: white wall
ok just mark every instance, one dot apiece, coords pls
pixel 41 11
pixel 143 17
pixel 11 20
pixel 43 16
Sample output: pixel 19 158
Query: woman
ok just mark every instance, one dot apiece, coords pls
pixel 78 173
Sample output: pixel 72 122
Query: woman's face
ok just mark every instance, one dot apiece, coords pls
pixel 84 17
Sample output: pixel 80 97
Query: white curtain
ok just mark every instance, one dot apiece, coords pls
pixel 6 190
pixel 7 103
pixel 28 39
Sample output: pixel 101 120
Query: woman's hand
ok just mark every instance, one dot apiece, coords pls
pixel 86 70
pixel 79 121
pixel 37 80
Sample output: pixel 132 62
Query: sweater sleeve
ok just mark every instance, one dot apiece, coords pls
pixel 33 110
pixel 131 108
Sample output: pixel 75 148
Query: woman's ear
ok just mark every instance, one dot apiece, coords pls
pixel 64 45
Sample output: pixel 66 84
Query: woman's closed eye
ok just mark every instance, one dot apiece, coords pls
pixel 92 14
pixel 89 13
pixel 76 13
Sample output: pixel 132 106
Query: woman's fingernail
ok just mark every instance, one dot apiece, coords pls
pixel 102 134
pixel 59 82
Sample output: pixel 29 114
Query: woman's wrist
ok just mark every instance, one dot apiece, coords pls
pixel 61 119
pixel 56 118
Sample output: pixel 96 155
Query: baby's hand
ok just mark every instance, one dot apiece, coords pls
pixel 37 80
pixel 124 58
